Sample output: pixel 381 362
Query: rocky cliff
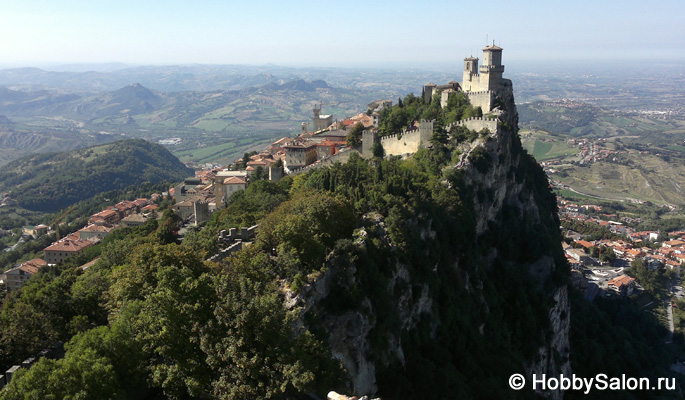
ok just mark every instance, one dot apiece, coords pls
pixel 460 296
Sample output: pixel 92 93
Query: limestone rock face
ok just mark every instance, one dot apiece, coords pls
pixel 545 362
pixel 349 332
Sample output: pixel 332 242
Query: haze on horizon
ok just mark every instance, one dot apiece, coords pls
pixel 328 33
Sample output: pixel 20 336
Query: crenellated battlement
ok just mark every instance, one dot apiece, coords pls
pixel 398 136
pixel 475 124
pixel 480 82
pixel 480 92
pixel 341 156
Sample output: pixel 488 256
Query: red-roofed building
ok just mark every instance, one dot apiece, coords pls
pixel 95 231
pixel 141 203
pixel 150 208
pixel 16 277
pixel 584 243
pixel 58 251
pixel 125 208
pixel 327 148
pixel 623 285
pixel 633 254
pixel 233 184
pixel 110 217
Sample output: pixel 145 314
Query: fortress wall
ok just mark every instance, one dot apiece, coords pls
pixel 406 143
pixel 223 254
pixel 476 124
pixel 483 99
pixel 340 157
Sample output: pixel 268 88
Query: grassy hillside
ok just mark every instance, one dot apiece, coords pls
pixel 48 182
pixel 643 177
pixel 585 120
pixel 636 172
pixel 544 146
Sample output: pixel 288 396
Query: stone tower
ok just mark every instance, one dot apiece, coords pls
pixel 428 90
pixel 321 121
pixel 470 81
pixel 492 68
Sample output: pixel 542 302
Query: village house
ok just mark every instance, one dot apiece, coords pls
pixel 125 208
pixel 67 247
pixel 110 217
pixel 134 220
pixel 16 277
pixel 95 231
pixel 584 243
pixel 673 243
pixel 300 155
pixel 623 285
pixel 149 208
pixel 234 184
pixel 140 203
pixel 225 185
pixel 580 256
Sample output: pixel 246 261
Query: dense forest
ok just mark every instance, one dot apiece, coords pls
pixel 152 319
pixel 49 182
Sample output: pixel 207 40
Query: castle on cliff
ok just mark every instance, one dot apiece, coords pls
pixel 480 83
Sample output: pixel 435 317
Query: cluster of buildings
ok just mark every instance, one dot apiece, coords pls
pixel 196 198
pixel 123 214
pixel 571 211
pixel 654 249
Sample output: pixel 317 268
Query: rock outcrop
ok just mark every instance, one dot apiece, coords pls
pixel 504 192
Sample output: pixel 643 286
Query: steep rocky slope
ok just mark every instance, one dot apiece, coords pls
pixel 477 290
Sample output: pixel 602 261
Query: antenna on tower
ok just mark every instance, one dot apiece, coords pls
pixel 486 39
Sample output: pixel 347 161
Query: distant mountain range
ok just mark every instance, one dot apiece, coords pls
pixel 49 182
pixel 48 120
pixel 168 79
pixel 204 78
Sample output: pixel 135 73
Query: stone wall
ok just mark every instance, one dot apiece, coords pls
pixel 475 124
pixel 400 144
pixel 340 157
pixel 482 99
pixel 408 142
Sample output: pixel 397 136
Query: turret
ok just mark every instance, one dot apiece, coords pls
pixel 492 60
pixel 492 68
pixel 470 71
pixel 428 90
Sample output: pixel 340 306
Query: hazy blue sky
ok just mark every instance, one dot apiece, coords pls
pixel 330 33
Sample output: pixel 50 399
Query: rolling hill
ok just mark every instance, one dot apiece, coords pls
pixel 234 120
pixel 49 182
pixel 579 119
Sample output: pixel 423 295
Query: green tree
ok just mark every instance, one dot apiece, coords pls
pixel 439 136
pixel 377 150
pixel 80 375
pixel 253 349
pixel 354 138
pixel 176 297
pixel 304 229
pixel 259 174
